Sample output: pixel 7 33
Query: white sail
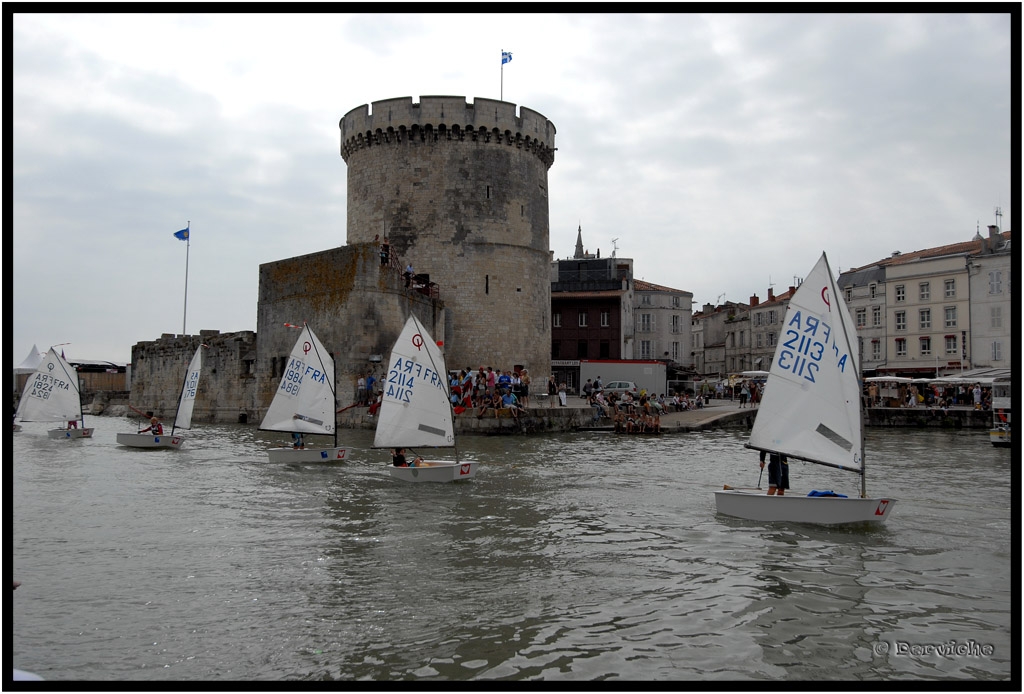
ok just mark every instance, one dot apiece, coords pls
pixel 415 410
pixel 811 403
pixel 183 419
pixel 51 393
pixel 304 400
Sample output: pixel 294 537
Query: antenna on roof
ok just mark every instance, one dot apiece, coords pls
pixel 614 247
pixel 999 218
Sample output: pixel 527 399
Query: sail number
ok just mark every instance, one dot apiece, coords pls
pixel 297 370
pixel 807 340
pixel 191 384
pixel 43 386
pixel 403 376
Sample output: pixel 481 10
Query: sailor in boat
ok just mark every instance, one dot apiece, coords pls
pixel 398 459
pixel 778 473
pixel 297 441
pixel 155 427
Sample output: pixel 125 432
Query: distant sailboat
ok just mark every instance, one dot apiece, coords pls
pixel 304 402
pixel 416 409
pixel 53 394
pixel 182 418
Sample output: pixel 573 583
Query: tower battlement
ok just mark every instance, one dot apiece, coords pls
pixel 439 118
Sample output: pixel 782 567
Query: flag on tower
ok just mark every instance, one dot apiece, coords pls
pixel 506 57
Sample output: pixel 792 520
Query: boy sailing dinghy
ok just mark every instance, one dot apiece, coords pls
pixel 182 418
pixel 304 402
pixel 416 409
pixel 811 410
pixel 52 394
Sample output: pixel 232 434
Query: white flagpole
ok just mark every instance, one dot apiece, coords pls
pixel 188 243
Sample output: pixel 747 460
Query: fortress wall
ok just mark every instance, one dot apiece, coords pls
pixel 228 374
pixel 356 308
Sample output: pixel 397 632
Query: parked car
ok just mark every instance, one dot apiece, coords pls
pixel 620 387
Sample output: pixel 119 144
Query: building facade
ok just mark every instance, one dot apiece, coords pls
pixel 915 312
pixel 991 322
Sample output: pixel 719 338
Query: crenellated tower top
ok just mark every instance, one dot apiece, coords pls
pixel 437 118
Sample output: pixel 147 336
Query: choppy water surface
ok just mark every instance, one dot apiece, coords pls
pixel 575 557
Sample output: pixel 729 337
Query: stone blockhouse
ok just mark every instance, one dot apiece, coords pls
pixel 225 384
pixel 353 304
pixel 461 191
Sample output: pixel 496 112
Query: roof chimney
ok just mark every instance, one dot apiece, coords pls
pixel 753 300
pixel 771 294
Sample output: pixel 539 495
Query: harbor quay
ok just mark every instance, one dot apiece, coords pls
pixel 717 414
pixel 545 417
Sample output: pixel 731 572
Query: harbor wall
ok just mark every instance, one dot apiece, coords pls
pixel 923 417
pixel 354 305
pixel 158 372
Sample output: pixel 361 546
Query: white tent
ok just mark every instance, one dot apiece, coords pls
pixel 30 363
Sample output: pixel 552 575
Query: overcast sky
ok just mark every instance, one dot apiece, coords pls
pixel 723 152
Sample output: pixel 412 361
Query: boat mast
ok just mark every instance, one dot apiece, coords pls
pixel 334 391
pixel 448 394
pixel 180 393
pixel 860 384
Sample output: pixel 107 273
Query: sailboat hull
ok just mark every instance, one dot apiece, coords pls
pixel 84 433
pixel 1000 437
pixel 756 505
pixel 288 454
pixel 435 472
pixel 151 440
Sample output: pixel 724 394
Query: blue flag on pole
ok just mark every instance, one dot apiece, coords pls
pixel 506 57
pixel 183 234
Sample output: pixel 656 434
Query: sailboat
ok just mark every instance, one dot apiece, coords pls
pixel 53 394
pixel 416 409
pixel 182 418
pixel 1000 433
pixel 811 411
pixel 304 402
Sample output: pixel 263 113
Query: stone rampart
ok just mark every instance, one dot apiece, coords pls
pixel 354 305
pixel 225 383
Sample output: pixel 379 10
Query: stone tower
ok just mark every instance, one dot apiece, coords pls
pixel 461 191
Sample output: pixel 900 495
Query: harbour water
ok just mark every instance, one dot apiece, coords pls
pixel 569 558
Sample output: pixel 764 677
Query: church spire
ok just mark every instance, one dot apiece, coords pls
pixel 579 243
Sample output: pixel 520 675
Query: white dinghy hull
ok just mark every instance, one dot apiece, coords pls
pixel 84 433
pixel 1000 437
pixel 287 454
pixel 435 472
pixel 756 505
pixel 151 440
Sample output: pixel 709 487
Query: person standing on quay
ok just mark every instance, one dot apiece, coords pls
pixel 561 393
pixel 552 390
